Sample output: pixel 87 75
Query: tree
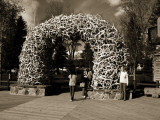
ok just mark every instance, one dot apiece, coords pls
pixel 88 55
pixel 60 53
pixel 8 18
pixel 21 32
pixel 155 13
pixel 135 24
pixel 72 42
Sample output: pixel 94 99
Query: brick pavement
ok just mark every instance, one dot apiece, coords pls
pixel 43 108
pixel 58 107
pixel 8 101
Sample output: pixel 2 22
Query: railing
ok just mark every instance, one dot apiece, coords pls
pixel 4 82
pixel 7 80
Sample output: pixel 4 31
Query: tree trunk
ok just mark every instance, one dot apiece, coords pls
pixel 134 75
pixel 157 84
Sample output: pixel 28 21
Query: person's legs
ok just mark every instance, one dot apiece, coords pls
pixel 89 83
pixel 83 91
pixel 86 87
pixel 124 90
pixel 73 88
pixel 70 91
pixel 121 90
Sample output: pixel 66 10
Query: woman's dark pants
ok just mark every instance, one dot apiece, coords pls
pixel 72 88
pixel 84 89
pixel 123 87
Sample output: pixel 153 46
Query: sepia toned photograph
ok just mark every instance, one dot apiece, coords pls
pixel 79 59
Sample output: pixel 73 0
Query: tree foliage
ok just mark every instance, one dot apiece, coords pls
pixel 155 13
pixel 135 26
pixel 88 56
pixel 72 42
pixel 11 29
pixel 20 33
pixel 60 53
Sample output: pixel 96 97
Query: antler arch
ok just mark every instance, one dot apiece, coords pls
pixel 104 38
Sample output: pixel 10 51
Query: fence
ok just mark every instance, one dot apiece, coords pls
pixel 6 80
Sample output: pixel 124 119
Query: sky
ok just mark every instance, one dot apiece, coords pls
pixel 110 10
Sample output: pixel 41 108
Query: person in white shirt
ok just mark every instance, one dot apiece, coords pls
pixel 72 83
pixel 123 82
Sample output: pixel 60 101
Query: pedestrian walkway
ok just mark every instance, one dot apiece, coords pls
pixel 9 101
pixel 44 108
pixel 58 107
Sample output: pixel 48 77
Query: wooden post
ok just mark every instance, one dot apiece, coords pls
pixel 158 27
pixel 134 77
pixel 157 84
pixel 134 84
pixel 1 37
pixel 9 78
pixel 1 62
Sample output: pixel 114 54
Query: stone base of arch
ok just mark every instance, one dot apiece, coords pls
pixel 108 94
pixel 37 90
pixel 104 94
pixel 43 90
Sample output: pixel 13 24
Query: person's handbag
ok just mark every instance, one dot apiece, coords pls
pixel 82 84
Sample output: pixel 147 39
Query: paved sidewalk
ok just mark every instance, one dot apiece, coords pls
pixel 9 101
pixel 44 108
pixel 59 107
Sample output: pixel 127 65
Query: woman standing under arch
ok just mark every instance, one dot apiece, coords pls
pixel 72 82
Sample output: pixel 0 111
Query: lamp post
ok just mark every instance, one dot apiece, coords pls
pixel 1 62
pixel 1 37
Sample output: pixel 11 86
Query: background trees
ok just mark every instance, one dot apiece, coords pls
pixel 88 56
pixel 71 43
pixel 59 58
pixel 155 13
pixel 13 30
pixel 135 26
pixel 20 33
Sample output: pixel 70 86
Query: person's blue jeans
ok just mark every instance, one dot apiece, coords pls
pixel 72 89
pixel 123 87
pixel 84 89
